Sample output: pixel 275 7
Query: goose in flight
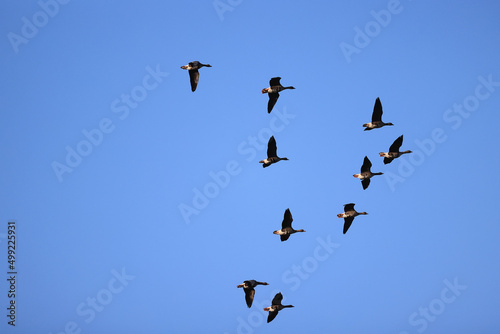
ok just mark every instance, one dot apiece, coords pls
pixel 348 215
pixel 273 92
pixel 366 173
pixel 275 307
pixel 286 227
pixel 394 151
pixel 249 288
pixel 272 156
pixel 376 117
pixel 194 75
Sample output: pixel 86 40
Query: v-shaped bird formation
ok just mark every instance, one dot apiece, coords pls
pixel 287 230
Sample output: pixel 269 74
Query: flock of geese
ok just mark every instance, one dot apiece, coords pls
pixel 272 157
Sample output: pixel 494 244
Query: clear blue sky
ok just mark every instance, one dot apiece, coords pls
pixel 140 205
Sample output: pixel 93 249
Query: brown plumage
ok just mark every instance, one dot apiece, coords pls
pixel 348 215
pixel 273 92
pixel 194 75
pixel 286 227
pixel 394 151
pixel 275 307
pixel 249 288
pixel 376 117
pixel 366 173
pixel 272 156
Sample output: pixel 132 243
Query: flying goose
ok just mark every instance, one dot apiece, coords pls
pixel 248 287
pixel 394 151
pixel 273 92
pixel 348 215
pixel 275 307
pixel 376 117
pixel 194 75
pixel 366 173
pixel 286 227
pixel 272 156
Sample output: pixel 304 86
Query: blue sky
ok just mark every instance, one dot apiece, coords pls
pixel 140 205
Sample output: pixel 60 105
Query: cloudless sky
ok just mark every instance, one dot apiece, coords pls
pixel 140 205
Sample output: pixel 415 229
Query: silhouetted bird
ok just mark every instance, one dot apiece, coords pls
pixel 348 215
pixel 275 307
pixel 394 151
pixel 286 227
pixel 273 92
pixel 272 156
pixel 376 117
pixel 366 173
pixel 194 75
pixel 248 287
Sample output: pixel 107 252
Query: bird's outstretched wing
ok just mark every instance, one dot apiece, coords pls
pixel 367 164
pixel 194 77
pixel 347 223
pixel 271 148
pixel 287 219
pixel 277 299
pixel 349 207
pixel 273 98
pixel 396 145
pixel 275 81
pixel 271 316
pixel 377 111
pixel 249 294
pixel 365 183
